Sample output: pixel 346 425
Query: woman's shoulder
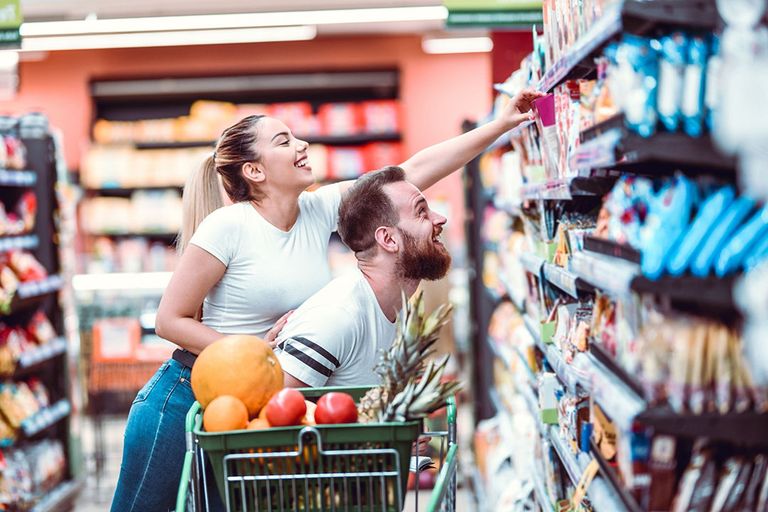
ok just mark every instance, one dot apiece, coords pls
pixel 226 214
pixel 322 194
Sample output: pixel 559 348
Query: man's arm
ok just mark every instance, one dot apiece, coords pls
pixel 289 381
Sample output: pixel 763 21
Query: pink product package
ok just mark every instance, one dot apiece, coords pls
pixel 545 109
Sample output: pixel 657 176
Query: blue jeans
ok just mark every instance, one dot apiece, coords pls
pixel 154 443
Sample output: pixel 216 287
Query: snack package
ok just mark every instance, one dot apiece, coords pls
pixel 674 49
pixel 713 80
pixel 635 80
pixel 757 255
pixel 694 87
pixel 705 220
pixel 41 328
pixel 666 223
pixel 662 466
pixel 741 244
pixel 726 225
pixel 25 266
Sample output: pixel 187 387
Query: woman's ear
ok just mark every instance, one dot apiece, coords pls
pixel 253 172
pixel 384 236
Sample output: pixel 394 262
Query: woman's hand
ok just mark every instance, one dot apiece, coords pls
pixel 518 109
pixel 272 334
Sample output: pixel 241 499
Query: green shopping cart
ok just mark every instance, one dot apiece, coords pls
pixel 359 467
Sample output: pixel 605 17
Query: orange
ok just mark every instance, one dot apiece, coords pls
pixel 242 366
pixel 225 413
pixel 258 424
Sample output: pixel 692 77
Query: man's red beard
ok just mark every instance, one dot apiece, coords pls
pixel 426 260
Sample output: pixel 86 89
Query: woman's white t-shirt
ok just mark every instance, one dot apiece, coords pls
pixel 269 271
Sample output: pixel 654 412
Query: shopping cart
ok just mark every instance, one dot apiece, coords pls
pixel 358 467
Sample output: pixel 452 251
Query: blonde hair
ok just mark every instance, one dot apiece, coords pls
pixel 202 195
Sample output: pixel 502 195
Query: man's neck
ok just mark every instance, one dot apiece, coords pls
pixel 387 287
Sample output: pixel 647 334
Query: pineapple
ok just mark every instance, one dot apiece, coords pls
pixel 411 388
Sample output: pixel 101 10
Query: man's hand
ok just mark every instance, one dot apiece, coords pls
pixel 272 334
pixel 518 109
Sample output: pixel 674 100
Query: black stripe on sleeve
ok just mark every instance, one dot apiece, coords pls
pixel 320 350
pixel 304 358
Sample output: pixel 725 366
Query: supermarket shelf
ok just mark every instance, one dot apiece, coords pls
pixel 128 191
pixel 612 145
pixel 34 289
pixel 168 237
pixel 540 490
pixel 568 374
pixel 618 400
pixel 635 16
pixel 11 178
pixel 9 243
pixel 567 457
pixel 628 501
pixel 121 281
pixel 532 404
pixel 746 429
pixel 611 248
pixel 709 294
pixel 531 263
pixel 611 275
pixel 533 328
pixel 531 376
pixel 566 281
pixel 45 418
pixel 565 189
pixel 603 357
pixel 331 140
pixel 62 497
pixel 44 353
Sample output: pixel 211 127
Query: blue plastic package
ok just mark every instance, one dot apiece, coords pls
pixel 666 224
pixel 738 247
pixel 710 211
pixel 714 67
pixel 694 85
pixel 638 65
pixel 726 225
pixel 672 67
pixel 757 255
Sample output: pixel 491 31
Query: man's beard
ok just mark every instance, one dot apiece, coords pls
pixel 422 261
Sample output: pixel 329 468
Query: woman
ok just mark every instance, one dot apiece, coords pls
pixel 248 264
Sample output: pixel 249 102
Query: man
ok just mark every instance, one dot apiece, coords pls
pixel 335 338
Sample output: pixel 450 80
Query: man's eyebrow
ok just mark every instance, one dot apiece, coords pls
pixel 279 134
pixel 419 202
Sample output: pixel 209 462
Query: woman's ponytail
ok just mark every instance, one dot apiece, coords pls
pixel 202 195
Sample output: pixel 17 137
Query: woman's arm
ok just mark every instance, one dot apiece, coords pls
pixel 434 163
pixel 197 272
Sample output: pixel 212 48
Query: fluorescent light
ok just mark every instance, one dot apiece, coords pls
pixel 121 281
pixel 457 45
pixel 233 21
pixel 178 38
pixel 9 59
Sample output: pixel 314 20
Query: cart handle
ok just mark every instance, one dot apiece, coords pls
pixel 186 468
pixel 451 410
pixel 444 480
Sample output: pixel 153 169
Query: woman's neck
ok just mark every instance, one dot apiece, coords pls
pixel 281 213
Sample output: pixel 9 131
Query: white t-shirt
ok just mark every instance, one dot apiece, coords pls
pixel 269 271
pixel 336 337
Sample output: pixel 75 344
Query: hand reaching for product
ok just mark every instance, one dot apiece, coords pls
pixel 518 109
pixel 271 336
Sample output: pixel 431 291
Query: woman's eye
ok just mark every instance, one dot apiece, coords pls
pixel 285 143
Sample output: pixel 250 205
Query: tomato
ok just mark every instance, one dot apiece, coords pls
pixel 285 408
pixel 336 408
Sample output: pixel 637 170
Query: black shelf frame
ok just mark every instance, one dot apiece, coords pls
pixel 747 429
pixel 613 479
pixel 611 248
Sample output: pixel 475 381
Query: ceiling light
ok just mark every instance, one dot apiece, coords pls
pixel 177 38
pixel 457 45
pixel 233 21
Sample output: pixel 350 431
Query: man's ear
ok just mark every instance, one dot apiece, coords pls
pixel 384 236
pixel 253 172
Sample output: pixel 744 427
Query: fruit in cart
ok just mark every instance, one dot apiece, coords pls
pixel 309 416
pixel 411 388
pixel 286 407
pixel 258 423
pixel 241 366
pixel 225 413
pixel 335 407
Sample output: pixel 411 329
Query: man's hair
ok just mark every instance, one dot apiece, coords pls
pixel 366 206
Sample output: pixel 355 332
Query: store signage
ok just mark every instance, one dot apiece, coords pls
pixel 493 13
pixel 10 21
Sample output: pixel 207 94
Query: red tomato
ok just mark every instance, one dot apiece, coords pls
pixel 285 408
pixel 336 408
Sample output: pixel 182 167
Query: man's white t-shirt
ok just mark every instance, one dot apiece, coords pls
pixel 269 271
pixel 336 337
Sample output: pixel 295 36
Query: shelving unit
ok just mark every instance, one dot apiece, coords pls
pixel 601 268
pixel 47 362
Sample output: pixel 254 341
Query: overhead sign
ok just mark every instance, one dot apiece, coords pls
pixel 10 21
pixel 493 13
